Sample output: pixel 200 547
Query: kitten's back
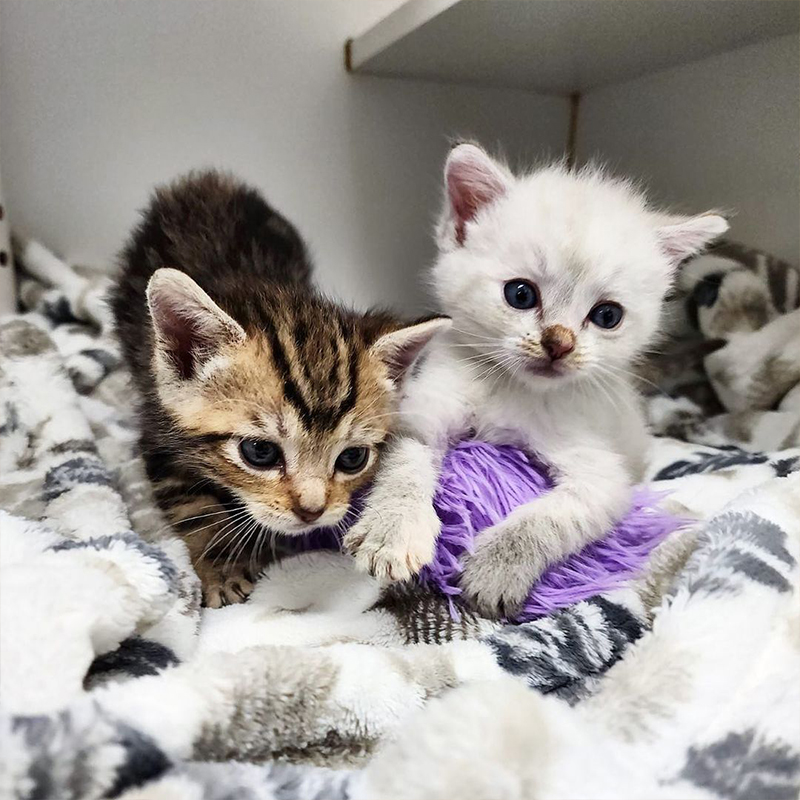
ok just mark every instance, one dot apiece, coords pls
pixel 221 233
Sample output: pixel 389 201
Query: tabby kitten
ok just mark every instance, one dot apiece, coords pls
pixel 264 406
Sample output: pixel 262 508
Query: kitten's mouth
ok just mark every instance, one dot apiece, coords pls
pixel 295 527
pixel 288 524
pixel 545 369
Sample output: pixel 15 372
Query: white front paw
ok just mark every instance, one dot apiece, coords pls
pixel 394 544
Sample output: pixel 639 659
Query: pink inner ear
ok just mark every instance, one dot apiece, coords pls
pixel 181 334
pixel 400 356
pixel 400 349
pixel 472 183
pixel 687 237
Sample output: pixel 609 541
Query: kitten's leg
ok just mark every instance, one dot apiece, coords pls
pixel 396 534
pixel 592 492
pixel 211 535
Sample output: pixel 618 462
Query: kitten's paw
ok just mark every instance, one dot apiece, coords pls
pixel 227 593
pixel 224 587
pixel 393 560
pixel 393 546
pixel 497 578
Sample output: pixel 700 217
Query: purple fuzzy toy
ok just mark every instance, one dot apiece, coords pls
pixel 481 484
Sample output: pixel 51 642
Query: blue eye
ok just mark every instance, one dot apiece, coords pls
pixel 606 315
pixel 260 454
pixel 521 294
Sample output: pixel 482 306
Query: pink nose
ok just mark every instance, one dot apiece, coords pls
pixel 558 341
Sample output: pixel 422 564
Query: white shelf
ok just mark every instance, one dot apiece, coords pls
pixel 559 46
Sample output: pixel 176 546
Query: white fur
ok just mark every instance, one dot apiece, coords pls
pixel 581 239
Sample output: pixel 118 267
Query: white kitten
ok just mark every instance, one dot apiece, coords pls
pixel 554 282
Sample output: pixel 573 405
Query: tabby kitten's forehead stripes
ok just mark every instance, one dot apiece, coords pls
pixel 318 362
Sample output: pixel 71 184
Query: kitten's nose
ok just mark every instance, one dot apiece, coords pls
pixel 308 515
pixel 558 341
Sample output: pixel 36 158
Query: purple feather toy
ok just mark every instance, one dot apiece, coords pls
pixel 482 483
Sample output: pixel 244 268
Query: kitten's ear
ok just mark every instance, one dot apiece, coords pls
pixel 473 180
pixel 399 349
pixel 189 326
pixel 681 237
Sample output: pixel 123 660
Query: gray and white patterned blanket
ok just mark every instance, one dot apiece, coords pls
pixel 731 365
pixel 113 683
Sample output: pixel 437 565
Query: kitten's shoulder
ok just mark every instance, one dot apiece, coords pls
pixel 441 394
pixel 446 363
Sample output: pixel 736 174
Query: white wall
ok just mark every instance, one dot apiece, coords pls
pixel 101 99
pixel 722 132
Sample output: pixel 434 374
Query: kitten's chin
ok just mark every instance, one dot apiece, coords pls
pixel 289 526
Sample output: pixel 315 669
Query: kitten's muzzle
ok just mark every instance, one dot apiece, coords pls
pixel 558 341
pixel 308 514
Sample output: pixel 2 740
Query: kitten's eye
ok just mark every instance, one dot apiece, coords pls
pixel 352 460
pixel 260 454
pixel 521 294
pixel 606 315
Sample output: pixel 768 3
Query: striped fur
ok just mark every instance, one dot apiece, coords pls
pixel 228 341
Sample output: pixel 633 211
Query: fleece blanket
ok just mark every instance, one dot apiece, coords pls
pixel 114 683
pixel 729 370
